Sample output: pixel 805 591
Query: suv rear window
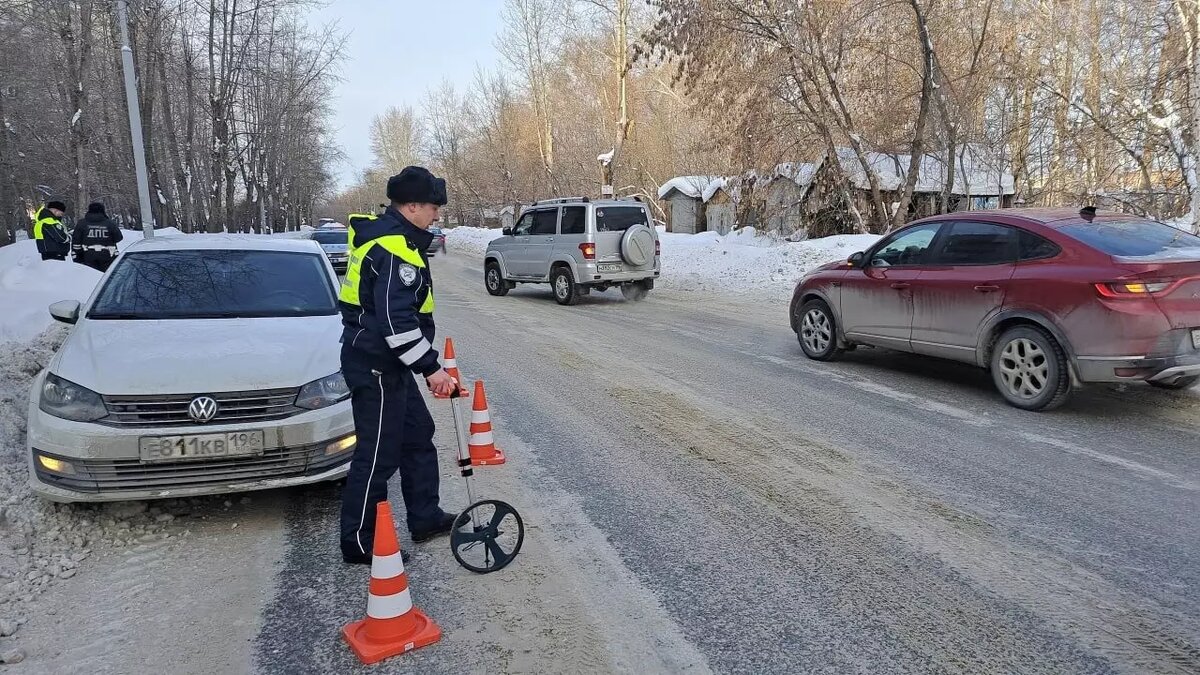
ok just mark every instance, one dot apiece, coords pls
pixel 1135 239
pixel 619 218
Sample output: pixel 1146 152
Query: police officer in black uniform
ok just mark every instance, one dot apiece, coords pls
pixel 386 300
pixel 95 238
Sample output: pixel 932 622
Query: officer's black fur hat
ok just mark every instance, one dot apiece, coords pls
pixel 55 204
pixel 416 185
pixel 95 207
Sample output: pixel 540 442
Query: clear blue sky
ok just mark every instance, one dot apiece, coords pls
pixel 397 51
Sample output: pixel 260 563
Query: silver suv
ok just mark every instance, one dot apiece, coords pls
pixel 577 245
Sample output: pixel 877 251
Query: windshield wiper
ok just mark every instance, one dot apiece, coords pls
pixel 117 315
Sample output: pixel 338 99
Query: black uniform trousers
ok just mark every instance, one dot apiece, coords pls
pixel 97 260
pixel 395 431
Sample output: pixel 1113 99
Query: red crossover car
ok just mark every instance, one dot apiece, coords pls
pixel 1045 299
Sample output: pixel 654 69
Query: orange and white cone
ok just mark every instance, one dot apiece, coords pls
pixel 450 364
pixel 393 626
pixel 482 444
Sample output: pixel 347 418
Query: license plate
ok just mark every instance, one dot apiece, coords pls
pixel 1196 338
pixel 200 446
pixel 610 267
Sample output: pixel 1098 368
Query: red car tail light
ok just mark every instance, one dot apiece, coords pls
pixel 1133 289
pixel 589 250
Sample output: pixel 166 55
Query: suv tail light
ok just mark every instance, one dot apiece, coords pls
pixel 657 247
pixel 1132 289
pixel 589 250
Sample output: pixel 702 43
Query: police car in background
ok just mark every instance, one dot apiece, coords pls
pixel 439 241
pixel 201 364
pixel 335 242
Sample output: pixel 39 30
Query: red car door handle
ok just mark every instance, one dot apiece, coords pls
pixel 901 285
pixel 987 288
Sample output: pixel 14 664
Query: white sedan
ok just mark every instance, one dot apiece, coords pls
pixel 200 365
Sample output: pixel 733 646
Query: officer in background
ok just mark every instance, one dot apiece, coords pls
pixel 95 238
pixel 49 233
pixel 386 300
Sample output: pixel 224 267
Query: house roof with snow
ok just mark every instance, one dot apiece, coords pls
pixel 689 186
pixel 800 173
pixel 712 187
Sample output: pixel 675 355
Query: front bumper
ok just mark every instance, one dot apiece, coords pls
pixel 107 466
pixel 339 263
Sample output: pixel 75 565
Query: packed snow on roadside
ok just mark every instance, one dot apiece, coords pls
pixel 42 543
pixel 744 261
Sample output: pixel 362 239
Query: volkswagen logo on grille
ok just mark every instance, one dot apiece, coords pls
pixel 202 409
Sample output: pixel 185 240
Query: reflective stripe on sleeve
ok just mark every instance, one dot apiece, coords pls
pixel 413 355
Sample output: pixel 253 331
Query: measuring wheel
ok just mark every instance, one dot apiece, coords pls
pixel 487 536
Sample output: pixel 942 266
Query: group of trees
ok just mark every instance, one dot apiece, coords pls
pixel 1083 101
pixel 235 102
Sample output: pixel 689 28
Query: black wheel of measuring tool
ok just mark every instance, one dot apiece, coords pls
pixel 494 543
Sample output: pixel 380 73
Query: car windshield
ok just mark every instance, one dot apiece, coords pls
pixel 215 284
pixel 330 237
pixel 1144 239
pixel 619 218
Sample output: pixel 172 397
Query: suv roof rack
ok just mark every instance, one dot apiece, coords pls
pixel 561 200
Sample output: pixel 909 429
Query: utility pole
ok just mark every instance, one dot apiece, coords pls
pixel 135 121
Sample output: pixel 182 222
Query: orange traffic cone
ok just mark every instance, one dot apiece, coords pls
pixel 393 626
pixel 482 445
pixel 450 364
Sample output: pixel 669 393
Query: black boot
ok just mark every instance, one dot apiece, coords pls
pixel 442 526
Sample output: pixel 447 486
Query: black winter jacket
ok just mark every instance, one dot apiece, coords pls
pixel 96 229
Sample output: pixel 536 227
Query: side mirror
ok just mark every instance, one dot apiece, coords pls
pixel 506 231
pixel 66 311
pixel 857 259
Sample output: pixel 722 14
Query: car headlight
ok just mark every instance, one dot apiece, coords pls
pixel 70 401
pixel 323 392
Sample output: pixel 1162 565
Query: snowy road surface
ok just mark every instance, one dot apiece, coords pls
pixel 699 497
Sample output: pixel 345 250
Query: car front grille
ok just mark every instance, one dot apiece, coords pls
pixel 115 475
pixel 172 410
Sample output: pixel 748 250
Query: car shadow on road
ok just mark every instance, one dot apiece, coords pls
pixel 1108 400
pixel 544 294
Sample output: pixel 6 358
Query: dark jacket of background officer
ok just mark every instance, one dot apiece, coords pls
pixel 95 238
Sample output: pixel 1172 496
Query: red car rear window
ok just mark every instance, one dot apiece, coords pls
pixel 1135 239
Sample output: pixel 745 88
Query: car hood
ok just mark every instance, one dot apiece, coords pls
pixel 188 356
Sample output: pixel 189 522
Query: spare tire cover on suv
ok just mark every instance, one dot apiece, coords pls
pixel 637 246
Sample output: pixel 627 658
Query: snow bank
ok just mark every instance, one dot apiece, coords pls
pixel 1181 223
pixel 746 262
pixel 743 261
pixel 29 285
pixel 470 240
